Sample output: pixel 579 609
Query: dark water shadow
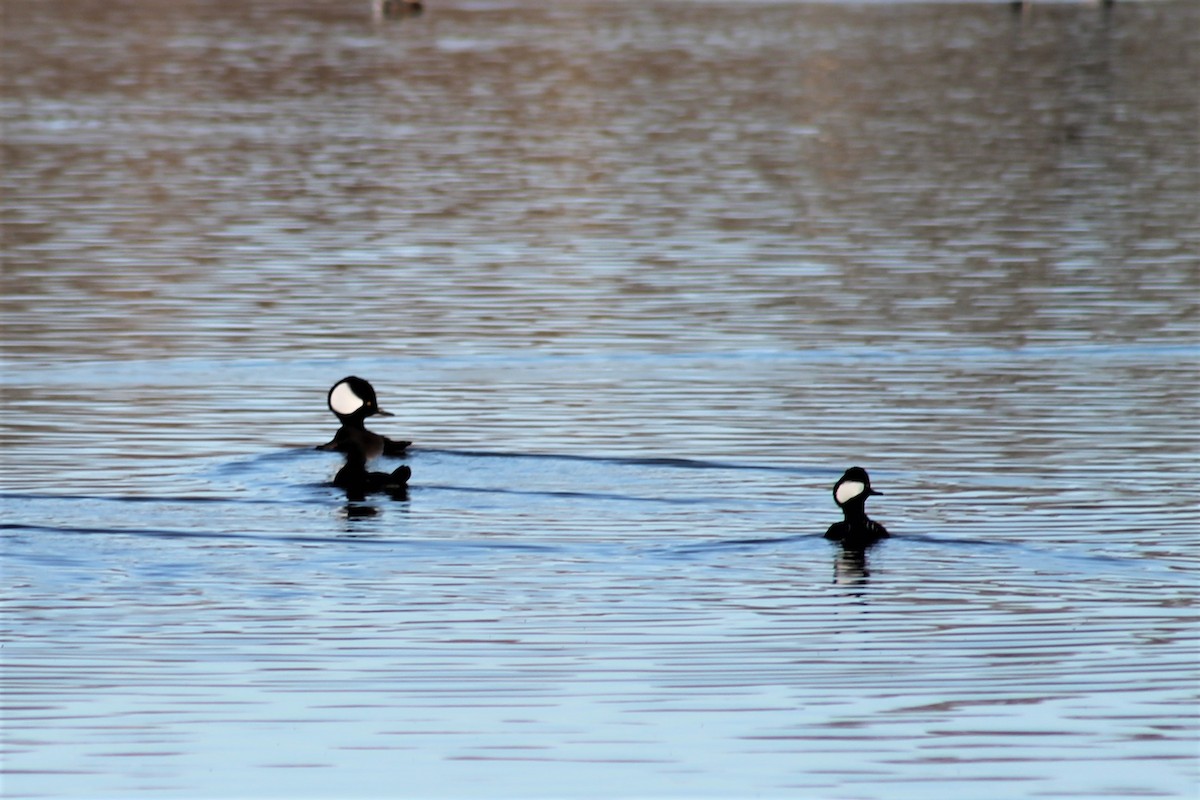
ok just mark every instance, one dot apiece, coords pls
pixel 567 494
pixel 245 465
pixel 852 559
pixel 360 513
pixel 165 498
pixel 646 461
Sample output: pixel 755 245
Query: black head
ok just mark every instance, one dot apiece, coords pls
pixel 853 487
pixel 354 399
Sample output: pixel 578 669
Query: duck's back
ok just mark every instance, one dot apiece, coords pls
pixel 868 531
pixel 360 440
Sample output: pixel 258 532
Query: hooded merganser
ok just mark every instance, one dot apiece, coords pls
pixel 352 400
pixel 851 493
pixel 359 482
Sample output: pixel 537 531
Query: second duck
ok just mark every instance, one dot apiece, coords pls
pixel 850 493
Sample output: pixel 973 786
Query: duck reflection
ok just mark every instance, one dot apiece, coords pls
pixel 850 565
pixel 358 481
pixel 354 510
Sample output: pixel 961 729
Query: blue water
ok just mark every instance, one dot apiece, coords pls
pixel 640 282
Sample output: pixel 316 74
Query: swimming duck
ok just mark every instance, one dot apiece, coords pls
pixel 850 493
pixel 352 400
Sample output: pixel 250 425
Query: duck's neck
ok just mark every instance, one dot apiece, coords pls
pixel 354 423
pixel 855 513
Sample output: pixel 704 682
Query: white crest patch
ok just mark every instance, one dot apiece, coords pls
pixel 848 490
pixel 343 400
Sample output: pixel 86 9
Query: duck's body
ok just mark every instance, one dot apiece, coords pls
pixel 356 437
pixel 851 493
pixel 352 400
pixel 865 530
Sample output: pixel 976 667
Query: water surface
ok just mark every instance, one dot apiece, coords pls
pixel 640 281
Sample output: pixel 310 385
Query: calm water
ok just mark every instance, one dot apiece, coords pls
pixel 640 280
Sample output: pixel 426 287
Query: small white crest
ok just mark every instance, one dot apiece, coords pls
pixel 847 491
pixel 343 400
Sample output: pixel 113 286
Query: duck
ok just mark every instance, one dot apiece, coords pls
pixel 850 493
pixel 352 400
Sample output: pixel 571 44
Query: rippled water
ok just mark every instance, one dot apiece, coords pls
pixel 640 281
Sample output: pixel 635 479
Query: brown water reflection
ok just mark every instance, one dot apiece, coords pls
pixel 198 178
